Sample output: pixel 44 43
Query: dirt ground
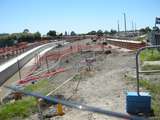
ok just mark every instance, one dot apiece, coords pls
pixel 104 86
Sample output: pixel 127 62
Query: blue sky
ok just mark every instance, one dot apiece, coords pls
pixel 78 15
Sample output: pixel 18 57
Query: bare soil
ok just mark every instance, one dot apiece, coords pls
pixel 104 86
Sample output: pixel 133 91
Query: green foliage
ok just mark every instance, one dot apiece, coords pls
pixel 145 30
pixel 3 34
pixel 93 32
pixel 112 32
pixel 37 36
pixel 19 109
pixel 52 33
pixel 65 33
pixel 154 88
pixel 9 39
pixel 37 87
pixel 150 55
pixel 106 32
pixel 156 29
pixel 26 31
pixel 151 86
pixel 100 33
pixel 77 77
pixel 73 33
pixel 151 67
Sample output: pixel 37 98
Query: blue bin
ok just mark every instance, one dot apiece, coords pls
pixel 138 103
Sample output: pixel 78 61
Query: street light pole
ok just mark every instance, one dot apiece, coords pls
pixel 118 26
pixel 125 29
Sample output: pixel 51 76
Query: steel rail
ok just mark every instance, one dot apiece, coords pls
pixel 79 106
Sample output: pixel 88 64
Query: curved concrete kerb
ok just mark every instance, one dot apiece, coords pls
pixel 10 67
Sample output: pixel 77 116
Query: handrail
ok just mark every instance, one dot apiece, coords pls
pixel 137 63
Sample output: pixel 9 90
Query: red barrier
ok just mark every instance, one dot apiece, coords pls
pixel 4 52
pixel 72 49
pixel 35 78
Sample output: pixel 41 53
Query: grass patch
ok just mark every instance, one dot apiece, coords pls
pixel 154 89
pixel 77 77
pixel 151 67
pixel 40 86
pixel 150 55
pixel 19 109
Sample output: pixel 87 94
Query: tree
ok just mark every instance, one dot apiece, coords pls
pixel 26 31
pixel 61 34
pixel 112 32
pixel 3 34
pixel 73 33
pixel 142 30
pixel 52 33
pixel 65 33
pixel 147 29
pixel 100 33
pixel 92 33
pixel 106 32
pixel 11 39
pixel 37 36
pixel 156 29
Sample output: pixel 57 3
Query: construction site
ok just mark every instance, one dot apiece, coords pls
pixel 96 72
pixel 107 70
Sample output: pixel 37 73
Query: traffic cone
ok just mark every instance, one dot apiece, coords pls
pixel 60 109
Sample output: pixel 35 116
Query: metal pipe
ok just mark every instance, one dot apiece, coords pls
pixel 79 106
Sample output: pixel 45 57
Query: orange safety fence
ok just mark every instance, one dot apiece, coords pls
pixel 44 75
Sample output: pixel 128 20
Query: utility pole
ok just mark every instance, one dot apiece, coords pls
pixel 133 31
pixel 125 29
pixel 132 27
pixel 135 27
pixel 118 26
